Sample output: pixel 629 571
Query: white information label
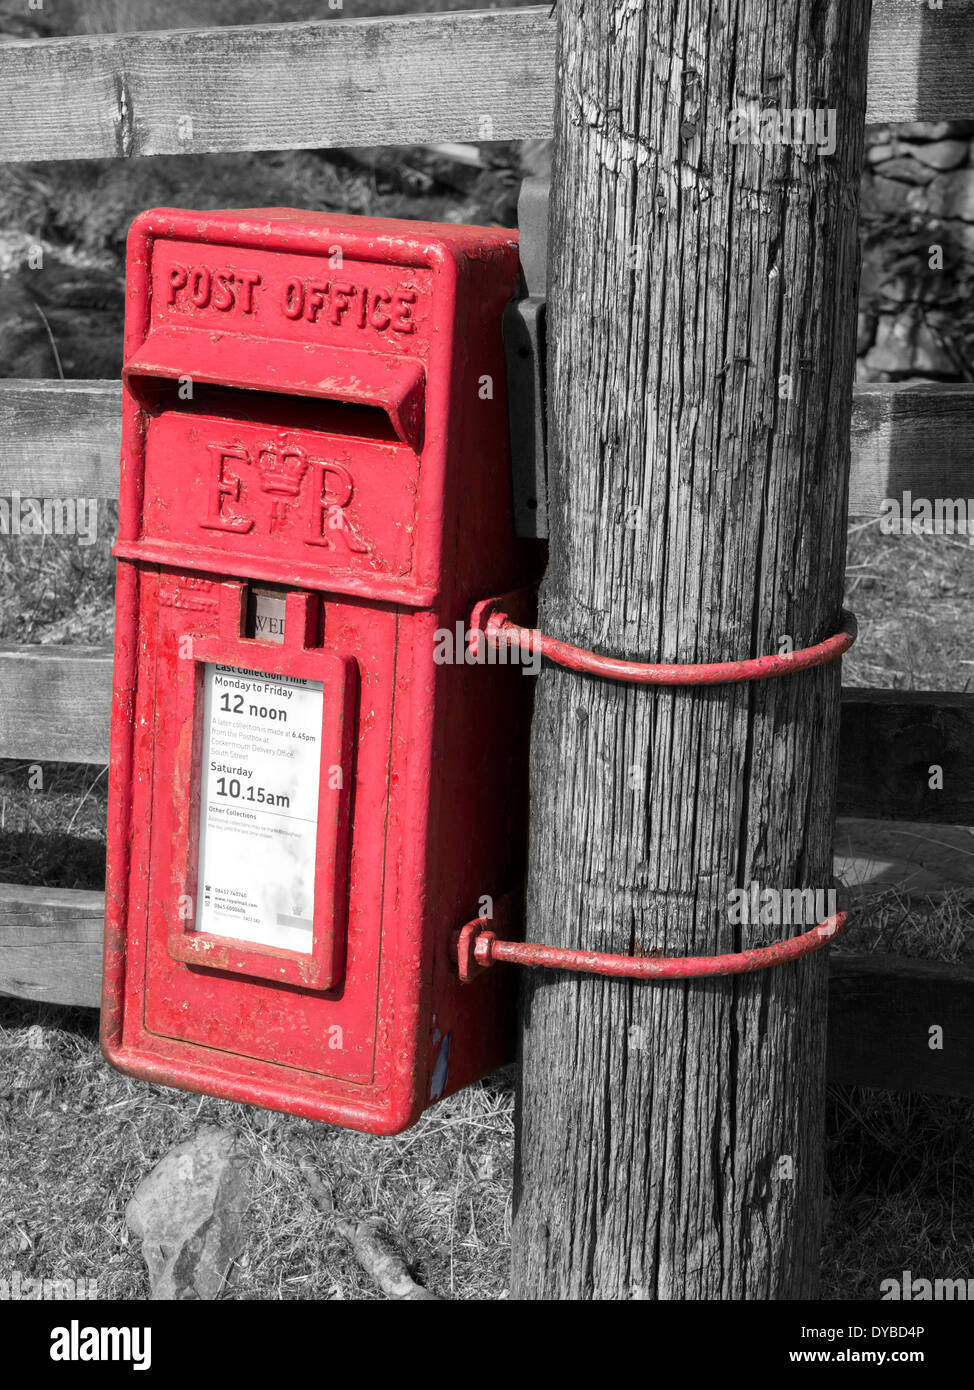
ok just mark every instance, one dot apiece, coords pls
pixel 259 806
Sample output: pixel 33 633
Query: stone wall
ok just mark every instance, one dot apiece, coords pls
pixel 916 317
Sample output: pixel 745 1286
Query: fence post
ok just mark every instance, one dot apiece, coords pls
pixel 702 301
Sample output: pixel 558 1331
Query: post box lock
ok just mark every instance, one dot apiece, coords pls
pixel 299 818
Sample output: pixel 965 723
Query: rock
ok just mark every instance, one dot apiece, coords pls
pixel 866 333
pixel 188 1214
pixel 960 235
pixel 930 357
pixel 884 196
pixel 952 195
pixel 897 290
pixel 907 170
pixel 892 351
pixel 876 154
pixel 893 197
pixel 934 130
pixel 866 375
pixel 908 345
pixel 942 154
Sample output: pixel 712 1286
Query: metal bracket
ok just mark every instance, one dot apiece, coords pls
pixel 507 918
pixel 476 947
pixel 524 349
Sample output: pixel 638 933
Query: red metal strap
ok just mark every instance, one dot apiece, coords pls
pixel 490 621
pixel 477 948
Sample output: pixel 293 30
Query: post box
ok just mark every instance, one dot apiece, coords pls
pixel 309 791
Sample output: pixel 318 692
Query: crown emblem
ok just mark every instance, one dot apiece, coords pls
pixel 281 471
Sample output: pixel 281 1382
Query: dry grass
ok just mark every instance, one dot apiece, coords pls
pixel 922 926
pixel 53 589
pixel 901 1190
pixel 52 824
pixel 76 1138
pixel 914 596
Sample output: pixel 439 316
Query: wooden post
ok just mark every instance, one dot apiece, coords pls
pixel 702 300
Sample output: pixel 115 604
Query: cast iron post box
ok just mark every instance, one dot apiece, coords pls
pixel 306 800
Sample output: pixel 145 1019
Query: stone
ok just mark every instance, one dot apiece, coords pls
pixel 961 236
pixel 876 154
pixel 907 170
pixel 893 197
pixel 930 356
pixel 896 290
pixel 866 375
pixel 892 351
pixel 866 333
pixel 189 1214
pixel 934 130
pixel 951 195
pixel 941 154
pixel 884 196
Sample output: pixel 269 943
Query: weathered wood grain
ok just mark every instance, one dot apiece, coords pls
pixel 911 437
pixel 393 81
pixel 670 1138
pixel 915 858
pixel 921 61
pixel 390 81
pixel 50 944
pixel 893 742
pixel 881 1012
pixel 55 703
pixel 62 439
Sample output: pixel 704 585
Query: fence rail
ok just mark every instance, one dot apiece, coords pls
pixel 62 439
pixel 50 951
pixel 367 82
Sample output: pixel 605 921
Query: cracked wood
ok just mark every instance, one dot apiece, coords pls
pixel 701 353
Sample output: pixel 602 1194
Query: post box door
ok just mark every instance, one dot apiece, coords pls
pixel 312 1008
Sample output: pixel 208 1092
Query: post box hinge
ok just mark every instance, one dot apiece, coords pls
pixel 525 350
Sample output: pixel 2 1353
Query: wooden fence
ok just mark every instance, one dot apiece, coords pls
pixel 366 82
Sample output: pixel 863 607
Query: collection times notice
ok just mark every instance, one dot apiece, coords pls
pixel 259 806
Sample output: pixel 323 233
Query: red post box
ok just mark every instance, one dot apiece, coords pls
pixel 310 792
